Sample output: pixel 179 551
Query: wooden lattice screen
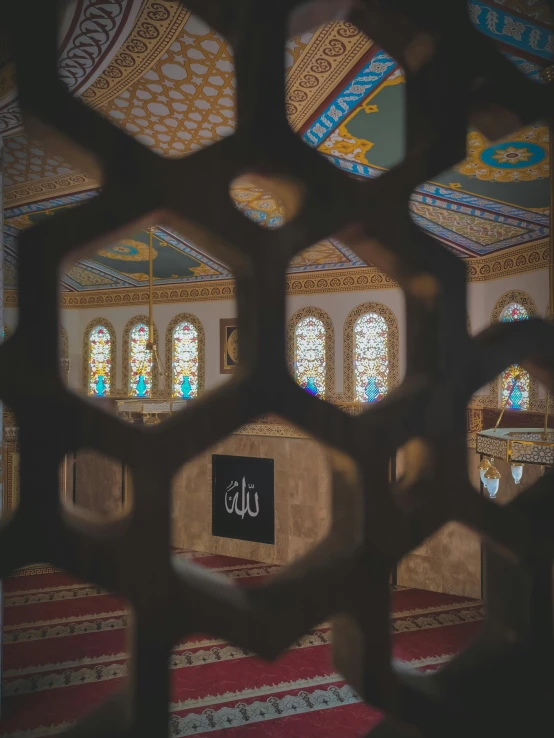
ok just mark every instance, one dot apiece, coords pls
pixel 501 685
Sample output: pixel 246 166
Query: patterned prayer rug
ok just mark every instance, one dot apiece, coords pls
pixel 64 653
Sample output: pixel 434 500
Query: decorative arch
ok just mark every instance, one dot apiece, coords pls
pixel 294 320
pixel 86 352
pixel 127 356
pixel 522 298
pixel 393 344
pixel 169 350
pixel 517 297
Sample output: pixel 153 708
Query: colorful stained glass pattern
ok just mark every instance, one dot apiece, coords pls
pixel 515 380
pixel 310 355
pixel 185 361
pixel 140 362
pixel 371 361
pixel 100 361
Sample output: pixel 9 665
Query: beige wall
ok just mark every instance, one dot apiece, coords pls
pixel 302 499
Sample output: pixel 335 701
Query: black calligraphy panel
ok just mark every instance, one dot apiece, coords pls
pixel 243 502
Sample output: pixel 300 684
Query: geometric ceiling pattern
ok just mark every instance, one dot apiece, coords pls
pixel 167 79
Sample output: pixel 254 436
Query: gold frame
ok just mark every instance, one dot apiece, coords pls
pixel 224 324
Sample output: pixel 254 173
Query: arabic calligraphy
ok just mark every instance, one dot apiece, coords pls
pixel 245 499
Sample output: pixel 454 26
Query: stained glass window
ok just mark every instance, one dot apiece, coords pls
pixel 100 361
pixel 371 361
pixel 185 361
pixel 310 355
pixel 515 380
pixel 140 362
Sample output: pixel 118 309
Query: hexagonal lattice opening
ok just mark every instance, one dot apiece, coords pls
pixel 96 484
pixel 494 199
pixel 175 102
pixel 520 30
pixel 437 611
pixel 112 359
pixel 262 494
pixel 345 98
pixel 64 648
pixel 268 201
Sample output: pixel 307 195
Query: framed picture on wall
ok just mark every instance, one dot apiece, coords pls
pixel 229 345
pixel 243 502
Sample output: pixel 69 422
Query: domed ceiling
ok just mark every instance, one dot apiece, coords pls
pixel 167 79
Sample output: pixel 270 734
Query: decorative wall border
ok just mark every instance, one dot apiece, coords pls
pixel 393 345
pixel 482 269
pixel 522 259
pixel 125 353
pixel 181 318
pixel 330 388
pixel 86 351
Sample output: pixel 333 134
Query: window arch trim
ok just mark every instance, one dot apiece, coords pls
pixel 176 321
pixel 392 345
pixel 86 352
pixel 127 354
pixel 526 301
pixel 314 312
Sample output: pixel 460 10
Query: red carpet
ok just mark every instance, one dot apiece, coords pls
pixel 64 645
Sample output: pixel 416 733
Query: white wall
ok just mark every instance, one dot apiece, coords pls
pixel 482 297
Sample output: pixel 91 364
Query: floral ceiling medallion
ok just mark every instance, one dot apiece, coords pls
pixel 522 158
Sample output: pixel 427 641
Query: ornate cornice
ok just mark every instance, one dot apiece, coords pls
pixel 483 269
pixel 521 259
pixel 64 184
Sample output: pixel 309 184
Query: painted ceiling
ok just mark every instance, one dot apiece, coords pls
pixel 167 79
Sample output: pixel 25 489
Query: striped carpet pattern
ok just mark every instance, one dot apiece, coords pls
pixel 64 653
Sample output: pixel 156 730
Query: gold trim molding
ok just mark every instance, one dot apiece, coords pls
pixel 482 269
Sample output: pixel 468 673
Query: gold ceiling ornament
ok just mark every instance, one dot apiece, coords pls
pixel 128 249
pixel 522 157
pixel 547 74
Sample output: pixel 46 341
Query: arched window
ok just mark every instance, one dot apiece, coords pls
pixel 371 363
pixel 100 352
pixel 184 346
pixel 370 352
pixel 310 355
pixel 516 383
pixel 184 363
pixel 140 362
pixel 312 351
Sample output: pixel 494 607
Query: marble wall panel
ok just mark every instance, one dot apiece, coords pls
pixel 302 499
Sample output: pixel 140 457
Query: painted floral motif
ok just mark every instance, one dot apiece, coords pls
pixel 515 380
pixel 371 363
pixel 100 362
pixel 310 355
pixel 185 361
pixel 523 157
pixel 140 362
